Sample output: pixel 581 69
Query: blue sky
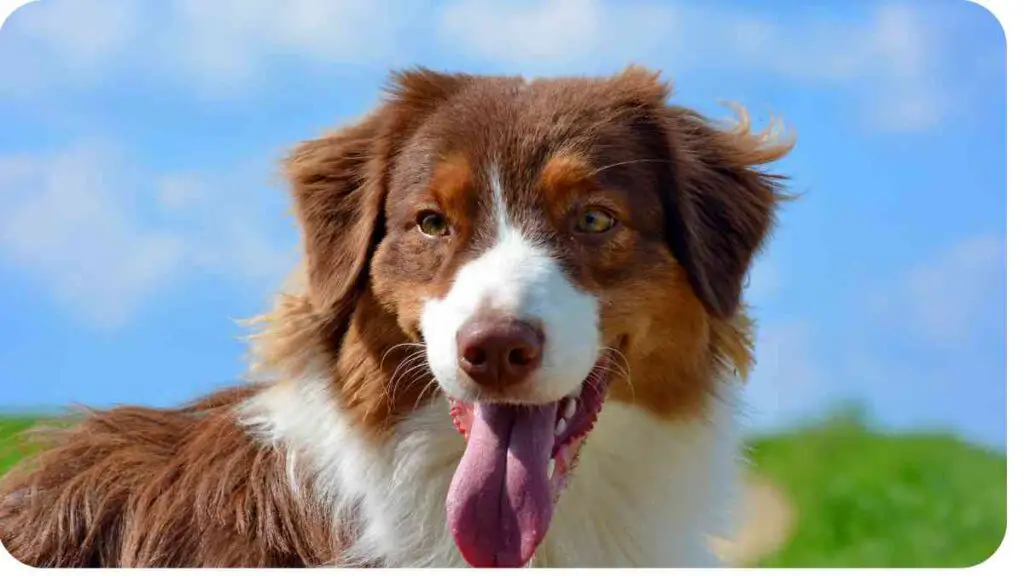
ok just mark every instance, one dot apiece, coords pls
pixel 140 211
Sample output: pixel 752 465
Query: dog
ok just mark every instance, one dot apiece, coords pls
pixel 515 339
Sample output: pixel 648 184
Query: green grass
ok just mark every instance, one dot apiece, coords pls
pixel 863 499
pixel 10 427
pixel 867 499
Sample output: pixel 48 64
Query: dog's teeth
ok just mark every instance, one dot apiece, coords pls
pixel 570 408
pixel 551 469
pixel 560 426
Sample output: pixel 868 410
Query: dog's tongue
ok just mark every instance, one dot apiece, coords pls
pixel 499 503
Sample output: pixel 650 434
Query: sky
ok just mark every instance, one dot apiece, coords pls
pixel 142 214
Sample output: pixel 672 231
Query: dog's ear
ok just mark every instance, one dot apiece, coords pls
pixel 339 184
pixel 338 194
pixel 719 206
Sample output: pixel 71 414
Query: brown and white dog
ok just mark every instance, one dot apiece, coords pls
pixel 515 340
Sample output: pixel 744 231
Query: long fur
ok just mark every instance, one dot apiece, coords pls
pixel 145 487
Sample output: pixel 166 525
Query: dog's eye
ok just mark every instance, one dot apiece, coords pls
pixel 432 224
pixel 594 221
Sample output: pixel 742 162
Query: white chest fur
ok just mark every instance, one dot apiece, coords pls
pixel 645 493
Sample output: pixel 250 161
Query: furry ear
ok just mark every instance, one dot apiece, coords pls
pixel 338 195
pixel 719 206
pixel 339 185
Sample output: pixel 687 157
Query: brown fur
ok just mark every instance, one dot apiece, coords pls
pixel 139 487
pixel 187 487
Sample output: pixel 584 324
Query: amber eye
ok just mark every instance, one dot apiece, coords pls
pixel 432 224
pixel 595 221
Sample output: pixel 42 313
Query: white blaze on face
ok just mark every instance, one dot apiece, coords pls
pixel 519 279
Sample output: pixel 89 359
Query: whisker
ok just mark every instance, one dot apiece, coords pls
pixel 396 347
pixel 428 386
pixel 413 362
pixel 411 375
pixel 625 360
pixel 414 372
pixel 618 372
pixel 624 368
pixel 408 363
pixel 615 351
pixel 396 373
pixel 627 162
pixel 416 375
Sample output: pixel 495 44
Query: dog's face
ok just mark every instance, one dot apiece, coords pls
pixel 538 239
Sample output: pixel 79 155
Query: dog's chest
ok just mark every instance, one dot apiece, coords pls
pixel 645 493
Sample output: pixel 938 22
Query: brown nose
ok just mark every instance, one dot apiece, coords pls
pixel 499 352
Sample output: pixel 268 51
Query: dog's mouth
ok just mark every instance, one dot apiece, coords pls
pixel 517 461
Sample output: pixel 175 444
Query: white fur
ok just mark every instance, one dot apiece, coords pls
pixel 645 493
pixel 394 493
pixel 518 278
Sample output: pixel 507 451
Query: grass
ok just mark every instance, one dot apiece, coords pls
pixel 10 427
pixel 863 499
pixel 868 499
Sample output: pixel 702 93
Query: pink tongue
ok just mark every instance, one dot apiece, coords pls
pixel 499 503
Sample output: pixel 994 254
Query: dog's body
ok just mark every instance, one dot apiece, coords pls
pixel 438 213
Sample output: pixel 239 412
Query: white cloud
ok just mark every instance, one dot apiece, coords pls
pixel 220 48
pixel 82 34
pixel 914 358
pixel 179 191
pixel 931 350
pixel 910 98
pixel 61 218
pixel 233 230
pixel 786 383
pixel 890 43
pixel 62 41
pixel 217 48
pixel 544 36
pixel 103 240
pixel 224 43
pixel 945 296
pixel 892 53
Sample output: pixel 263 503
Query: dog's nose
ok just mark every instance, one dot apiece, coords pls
pixel 499 352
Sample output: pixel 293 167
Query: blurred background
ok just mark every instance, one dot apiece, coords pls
pixel 141 213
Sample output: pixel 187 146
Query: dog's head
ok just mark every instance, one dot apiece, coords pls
pixel 536 241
